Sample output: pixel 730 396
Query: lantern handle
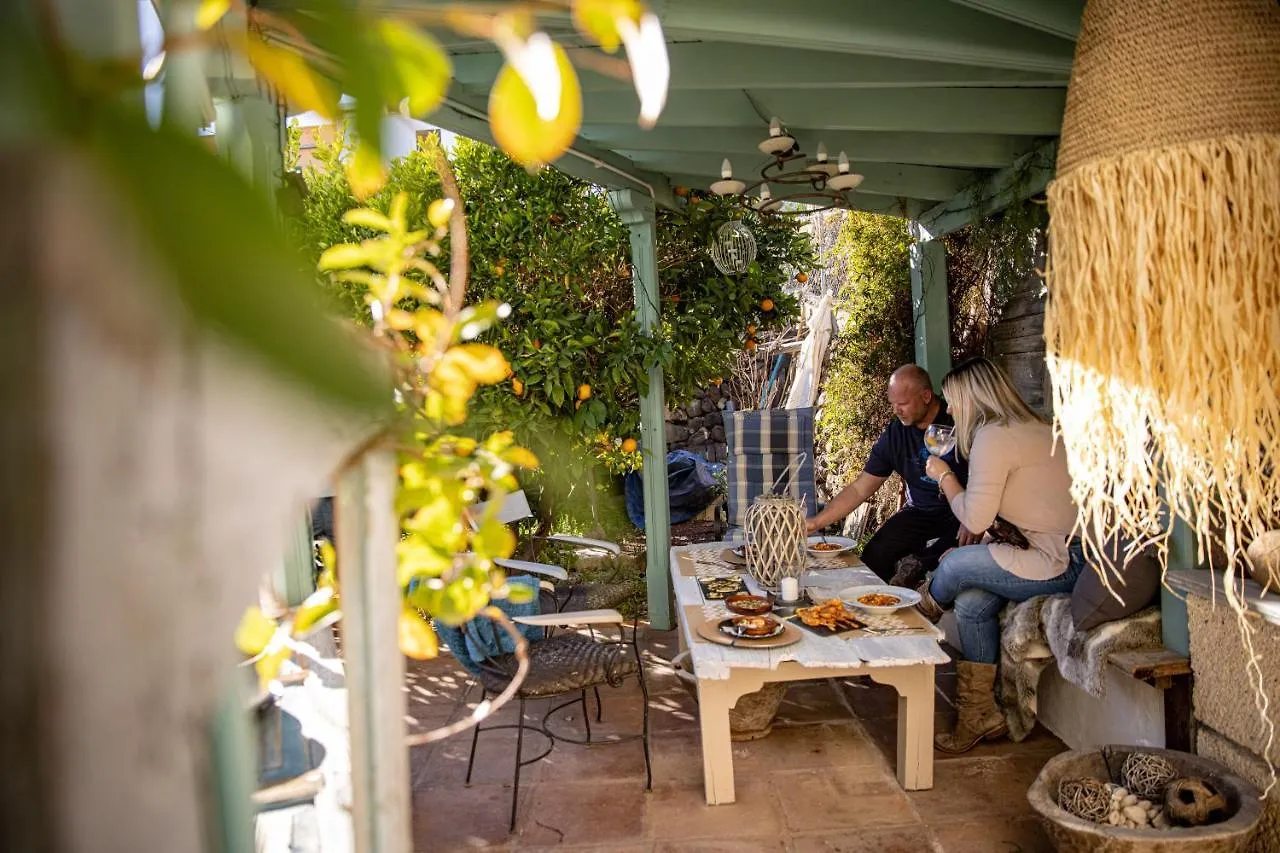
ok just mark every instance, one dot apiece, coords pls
pixel 785 471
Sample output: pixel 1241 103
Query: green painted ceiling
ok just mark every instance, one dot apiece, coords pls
pixel 927 97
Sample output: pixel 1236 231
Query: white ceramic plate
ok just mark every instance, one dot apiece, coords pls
pixel 846 544
pixel 906 597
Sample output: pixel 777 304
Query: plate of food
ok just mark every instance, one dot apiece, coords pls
pixel 828 618
pixel 718 589
pixel 879 598
pixel 752 627
pixel 827 546
pixel 746 604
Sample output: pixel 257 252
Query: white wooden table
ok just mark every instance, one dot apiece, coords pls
pixel 724 674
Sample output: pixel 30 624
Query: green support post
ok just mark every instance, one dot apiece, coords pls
pixel 929 302
pixel 637 212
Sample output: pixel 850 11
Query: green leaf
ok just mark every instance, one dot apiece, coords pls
pixel 493 539
pixel 210 12
pixel 315 607
pixel 520 594
pixel 228 258
pixel 344 256
pixel 368 218
pixel 422 65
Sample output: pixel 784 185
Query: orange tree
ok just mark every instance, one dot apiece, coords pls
pixel 550 247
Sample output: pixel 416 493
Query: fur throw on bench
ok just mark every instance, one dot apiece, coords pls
pixel 1039 631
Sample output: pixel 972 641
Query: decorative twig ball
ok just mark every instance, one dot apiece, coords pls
pixel 1086 798
pixel 1194 802
pixel 1147 774
pixel 1264 559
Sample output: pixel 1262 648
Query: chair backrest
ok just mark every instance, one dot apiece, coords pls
pixel 766 447
pixel 514 507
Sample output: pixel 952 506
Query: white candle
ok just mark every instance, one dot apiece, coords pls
pixel 822 153
pixel 726 169
pixel 790 589
pixel 775 127
pixel 844 163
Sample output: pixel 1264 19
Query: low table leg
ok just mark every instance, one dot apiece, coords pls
pixel 915 686
pixel 714 703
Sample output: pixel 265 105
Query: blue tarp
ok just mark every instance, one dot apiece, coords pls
pixel 690 481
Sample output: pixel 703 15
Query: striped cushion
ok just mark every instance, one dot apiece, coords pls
pixel 762 446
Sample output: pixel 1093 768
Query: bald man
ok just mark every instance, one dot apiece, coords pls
pixel 927 516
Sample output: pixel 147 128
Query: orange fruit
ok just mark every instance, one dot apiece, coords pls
pixel 802 277
pixel 584 392
pixel 537 344
pixel 681 191
pixel 518 387
pixel 751 344
pixel 629 445
pixel 766 304
pixel 751 330
pixel 717 381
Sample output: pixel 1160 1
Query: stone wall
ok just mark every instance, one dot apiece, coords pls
pixel 698 426
pixel 1229 725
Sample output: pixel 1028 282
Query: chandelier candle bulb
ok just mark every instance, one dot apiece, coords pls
pixel 822 153
pixel 844 163
pixel 726 169
pixel 775 127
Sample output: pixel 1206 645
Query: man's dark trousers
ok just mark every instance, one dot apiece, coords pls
pixel 908 531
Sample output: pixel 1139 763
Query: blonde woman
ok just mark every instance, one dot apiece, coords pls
pixel 1019 491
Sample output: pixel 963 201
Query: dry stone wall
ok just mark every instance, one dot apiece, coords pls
pixel 698 426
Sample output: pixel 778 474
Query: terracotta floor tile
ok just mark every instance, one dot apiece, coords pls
pixel 446 766
pixel 764 844
pixel 841 798
pixel 463 819
pixel 902 839
pixel 1023 835
pixel 604 762
pixel 964 787
pixel 677 759
pixel 611 847
pixel 812 702
pixel 681 812
pixel 583 813
pixel 805 747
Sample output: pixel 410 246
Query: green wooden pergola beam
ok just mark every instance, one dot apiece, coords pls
pixel 906 208
pixel 1057 17
pixel 960 150
pixel 585 160
pixel 1032 112
pixel 929 30
pixel 896 179
pixel 1024 179
pixel 728 65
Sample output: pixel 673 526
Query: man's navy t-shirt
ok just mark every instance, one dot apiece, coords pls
pixel 901 448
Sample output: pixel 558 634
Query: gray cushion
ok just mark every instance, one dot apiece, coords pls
pixel 1093 605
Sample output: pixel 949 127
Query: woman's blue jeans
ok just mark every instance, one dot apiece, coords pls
pixel 970 579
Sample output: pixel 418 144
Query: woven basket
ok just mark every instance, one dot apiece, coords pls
pixel 775 540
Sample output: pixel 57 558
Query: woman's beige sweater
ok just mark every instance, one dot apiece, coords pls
pixel 1016 472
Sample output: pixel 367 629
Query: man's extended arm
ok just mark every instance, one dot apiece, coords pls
pixel 850 498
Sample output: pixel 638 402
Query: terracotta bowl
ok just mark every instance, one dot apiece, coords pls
pixel 768 625
pixel 746 604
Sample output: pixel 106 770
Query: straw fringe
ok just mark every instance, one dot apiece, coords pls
pixel 1163 339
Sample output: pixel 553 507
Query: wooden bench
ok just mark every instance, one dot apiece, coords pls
pixel 1169 672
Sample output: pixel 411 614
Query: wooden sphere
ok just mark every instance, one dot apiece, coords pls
pixel 1194 802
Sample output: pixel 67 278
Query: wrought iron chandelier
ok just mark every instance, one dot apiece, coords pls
pixel 792 182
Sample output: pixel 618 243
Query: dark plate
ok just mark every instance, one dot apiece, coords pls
pixel 726 627
pixel 820 630
pixel 718 589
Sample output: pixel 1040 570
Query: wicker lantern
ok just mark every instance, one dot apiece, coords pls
pixel 775 540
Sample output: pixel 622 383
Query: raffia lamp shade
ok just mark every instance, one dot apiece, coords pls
pixel 1163 319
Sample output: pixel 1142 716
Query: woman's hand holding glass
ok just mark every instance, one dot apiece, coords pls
pixel 936 468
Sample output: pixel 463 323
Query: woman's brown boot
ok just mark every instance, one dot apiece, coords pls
pixel 929 608
pixel 977 716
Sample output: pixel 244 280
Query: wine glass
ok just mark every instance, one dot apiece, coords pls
pixel 939 440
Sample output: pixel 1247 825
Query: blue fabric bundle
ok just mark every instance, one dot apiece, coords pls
pixel 483 639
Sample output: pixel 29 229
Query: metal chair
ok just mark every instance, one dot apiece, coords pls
pixel 571 594
pixel 559 665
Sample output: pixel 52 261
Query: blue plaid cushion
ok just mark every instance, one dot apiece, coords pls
pixel 763 445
